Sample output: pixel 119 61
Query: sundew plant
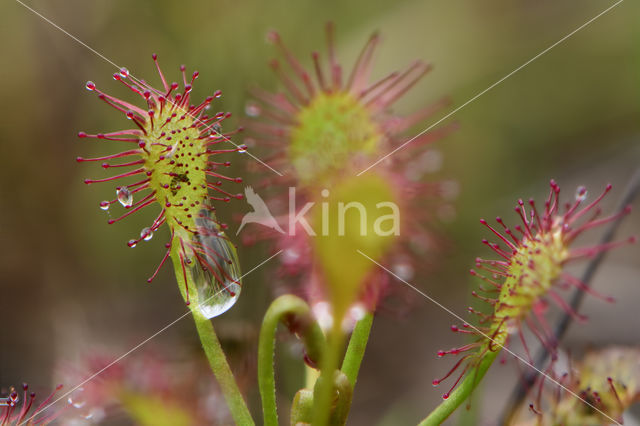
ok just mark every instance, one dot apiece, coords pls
pixel 355 237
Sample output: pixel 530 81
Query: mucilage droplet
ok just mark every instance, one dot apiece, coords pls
pixel 124 196
pixel 215 269
pixel 146 234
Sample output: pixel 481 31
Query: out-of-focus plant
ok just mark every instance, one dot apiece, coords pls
pixel 609 379
pixel 148 388
pixel 325 129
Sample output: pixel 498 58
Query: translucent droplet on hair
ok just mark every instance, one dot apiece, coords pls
pixel 404 270
pixel 146 234
pixel 252 109
pixel 581 194
pixel 124 196
pixel 215 269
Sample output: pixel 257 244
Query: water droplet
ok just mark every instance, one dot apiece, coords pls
pixel 75 403
pixel 132 243
pixel 124 72
pixel 104 205
pixel 403 270
pixel 172 150
pixel 90 85
pixel 124 196
pixel 252 109
pixel 216 269
pixel 581 194
pixel 96 415
pixel 146 234
pixel 290 256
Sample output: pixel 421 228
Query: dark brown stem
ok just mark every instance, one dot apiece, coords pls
pixel 521 389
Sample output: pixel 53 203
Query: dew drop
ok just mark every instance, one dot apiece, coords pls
pixel 290 256
pixel 581 194
pixel 146 234
pixel 96 415
pixel 104 205
pixel 216 269
pixel 252 109
pixel 124 196
pixel 403 270
pixel 75 403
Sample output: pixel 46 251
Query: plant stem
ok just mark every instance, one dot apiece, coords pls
pixel 355 350
pixel 212 349
pixel 221 370
pixel 323 393
pixel 461 393
pixel 296 313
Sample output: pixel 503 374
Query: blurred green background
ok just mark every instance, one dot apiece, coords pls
pixel 71 286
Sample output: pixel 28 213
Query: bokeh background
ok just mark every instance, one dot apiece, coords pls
pixel 70 287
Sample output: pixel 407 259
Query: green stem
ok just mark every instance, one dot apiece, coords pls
pixel 212 349
pixel 355 350
pixel 296 313
pixel 343 403
pixel 221 370
pixel 324 390
pixel 461 393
